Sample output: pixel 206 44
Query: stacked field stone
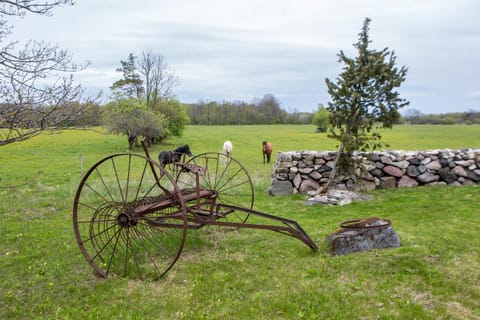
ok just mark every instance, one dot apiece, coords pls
pixel 303 171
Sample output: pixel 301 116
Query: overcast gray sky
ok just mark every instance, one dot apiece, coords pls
pixel 240 50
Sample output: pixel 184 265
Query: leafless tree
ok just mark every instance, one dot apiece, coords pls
pixel 37 90
pixel 159 79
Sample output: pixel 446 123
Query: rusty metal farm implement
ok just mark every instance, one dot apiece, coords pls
pixel 131 216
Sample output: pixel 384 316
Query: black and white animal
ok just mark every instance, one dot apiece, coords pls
pixel 228 148
pixel 166 157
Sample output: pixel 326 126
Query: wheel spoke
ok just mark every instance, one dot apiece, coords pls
pixel 114 250
pixel 117 179
pixel 115 208
pixel 226 176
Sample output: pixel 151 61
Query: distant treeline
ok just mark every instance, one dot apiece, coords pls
pixel 413 116
pixel 261 111
pixel 268 111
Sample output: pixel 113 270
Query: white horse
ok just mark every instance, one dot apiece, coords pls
pixel 227 148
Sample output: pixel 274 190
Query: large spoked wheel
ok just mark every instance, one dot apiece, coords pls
pixel 227 177
pixel 129 217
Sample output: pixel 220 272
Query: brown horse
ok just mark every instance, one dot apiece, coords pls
pixel 267 150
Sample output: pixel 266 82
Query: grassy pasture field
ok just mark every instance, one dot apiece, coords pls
pixel 242 274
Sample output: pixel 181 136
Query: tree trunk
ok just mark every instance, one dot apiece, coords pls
pixel 333 175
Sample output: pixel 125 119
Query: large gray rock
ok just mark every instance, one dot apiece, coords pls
pixel 427 177
pixel 401 164
pixel 393 171
pixel 421 169
pixel 366 234
pixel 297 181
pixel 388 182
pixel 472 176
pixel 412 171
pixel 406 181
pixel 280 188
pixel 335 197
pixel 459 171
pixel 434 165
pixel 447 176
pixel 309 185
pixel 365 185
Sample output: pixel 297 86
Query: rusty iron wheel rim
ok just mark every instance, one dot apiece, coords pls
pixel 224 174
pixel 111 236
pixel 351 224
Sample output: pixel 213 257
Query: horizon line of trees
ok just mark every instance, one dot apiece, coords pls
pixel 414 116
pixel 265 110
pixel 244 113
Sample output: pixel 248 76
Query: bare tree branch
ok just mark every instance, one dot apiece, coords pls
pixel 37 90
pixel 21 7
pixel 159 78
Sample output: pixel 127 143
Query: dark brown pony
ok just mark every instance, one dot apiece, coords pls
pixel 167 157
pixel 267 150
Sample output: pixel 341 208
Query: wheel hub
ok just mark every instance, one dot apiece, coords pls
pixel 126 219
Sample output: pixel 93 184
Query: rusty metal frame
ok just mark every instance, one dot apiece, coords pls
pixel 288 227
pixel 190 208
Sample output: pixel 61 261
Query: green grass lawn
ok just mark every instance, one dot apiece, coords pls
pixel 245 273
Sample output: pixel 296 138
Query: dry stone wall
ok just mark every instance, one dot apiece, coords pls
pixel 304 171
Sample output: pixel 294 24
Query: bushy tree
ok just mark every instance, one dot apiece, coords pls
pixel 363 98
pixel 176 114
pixel 148 83
pixel 321 119
pixel 130 117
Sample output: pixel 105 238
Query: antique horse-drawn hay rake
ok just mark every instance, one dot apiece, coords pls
pixel 131 216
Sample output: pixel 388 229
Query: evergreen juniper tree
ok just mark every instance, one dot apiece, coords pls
pixel 363 98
